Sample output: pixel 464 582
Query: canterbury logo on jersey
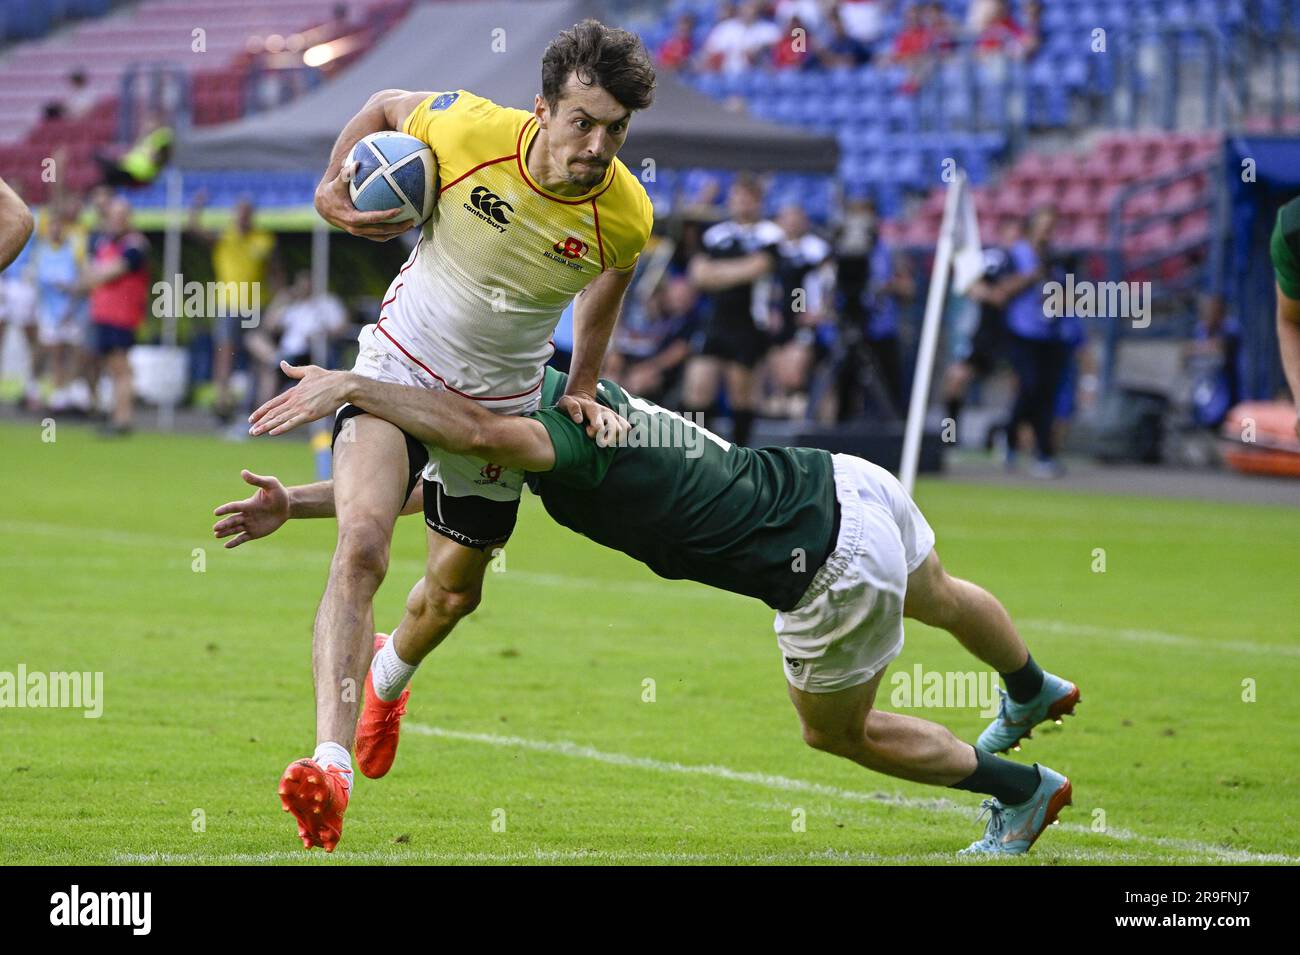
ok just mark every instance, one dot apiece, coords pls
pixel 489 207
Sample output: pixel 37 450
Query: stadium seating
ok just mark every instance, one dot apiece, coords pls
pixel 156 31
pixel 893 139
pixel 24 20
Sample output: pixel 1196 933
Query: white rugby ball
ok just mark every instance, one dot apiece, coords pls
pixel 394 171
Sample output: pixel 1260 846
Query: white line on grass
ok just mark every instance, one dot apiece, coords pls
pixel 787 784
pixel 1159 637
pixel 600 856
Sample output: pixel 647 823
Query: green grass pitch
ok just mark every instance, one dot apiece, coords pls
pixel 532 713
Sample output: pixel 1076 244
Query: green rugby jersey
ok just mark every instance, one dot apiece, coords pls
pixel 1284 248
pixel 758 522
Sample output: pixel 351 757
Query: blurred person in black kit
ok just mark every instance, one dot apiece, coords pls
pixel 735 269
pixel 855 237
pixel 805 281
pixel 872 283
pixel 979 355
pixel 889 289
pixel 651 345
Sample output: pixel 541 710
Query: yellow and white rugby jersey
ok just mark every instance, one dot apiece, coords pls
pixel 476 303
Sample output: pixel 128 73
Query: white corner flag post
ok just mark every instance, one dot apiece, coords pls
pixel 958 251
pixel 321 431
pixel 171 271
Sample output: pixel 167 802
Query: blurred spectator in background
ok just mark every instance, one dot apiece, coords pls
pixel 1213 360
pixel 863 20
pixel 918 43
pixel 676 51
pixel 793 51
pixel 979 14
pixel 240 255
pixel 889 290
pixel 805 283
pixel 1031 39
pixel 1078 378
pixel 942 30
pixel 913 42
pixel 118 281
pixel 739 42
pixel 811 13
pixel 651 350
pixel 289 331
pixel 75 102
pixel 982 350
pixel 1001 34
pixel 1036 348
pixel 141 164
pixel 855 238
pixel 735 270
pixel 836 48
pixel 58 258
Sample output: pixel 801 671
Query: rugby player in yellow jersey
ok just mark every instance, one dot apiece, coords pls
pixel 533 209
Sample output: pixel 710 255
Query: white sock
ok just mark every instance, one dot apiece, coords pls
pixel 390 672
pixel 333 754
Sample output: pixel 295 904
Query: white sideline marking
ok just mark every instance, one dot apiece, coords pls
pixel 1159 637
pixel 392 856
pixel 787 784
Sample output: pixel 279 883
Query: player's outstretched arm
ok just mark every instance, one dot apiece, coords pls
pixel 16 225
pixel 439 418
pixel 273 504
pixel 385 110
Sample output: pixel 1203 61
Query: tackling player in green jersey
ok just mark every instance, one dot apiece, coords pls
pixel 831 542
pixel 1284 250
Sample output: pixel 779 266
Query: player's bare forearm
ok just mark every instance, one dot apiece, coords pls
pixel 439 418
pixel 385 110
pixel 311 500
pixel 16 225
pixel 374 117
pixel 455 424
pixel 595 313
pixel 317 500
pixel 432 417
pixel 273 505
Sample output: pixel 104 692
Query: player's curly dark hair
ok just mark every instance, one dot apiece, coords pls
pixel 613 59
